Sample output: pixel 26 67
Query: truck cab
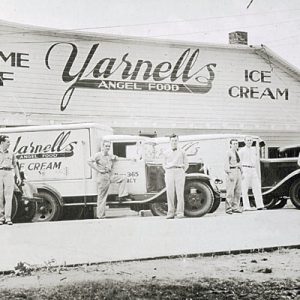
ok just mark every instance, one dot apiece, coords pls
pixel 145 178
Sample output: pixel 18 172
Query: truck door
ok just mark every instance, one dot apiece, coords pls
pixel 133 170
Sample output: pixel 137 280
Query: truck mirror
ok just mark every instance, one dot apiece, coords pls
pixel 262 144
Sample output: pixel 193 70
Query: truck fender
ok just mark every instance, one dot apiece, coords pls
pixel 203 177
pixel 50 189
pixel 281 182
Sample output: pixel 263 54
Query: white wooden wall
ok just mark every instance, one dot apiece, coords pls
pixel 35 94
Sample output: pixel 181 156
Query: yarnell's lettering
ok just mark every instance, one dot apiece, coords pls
pixel 185 75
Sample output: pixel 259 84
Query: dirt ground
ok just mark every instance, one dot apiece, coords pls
pixel 263 275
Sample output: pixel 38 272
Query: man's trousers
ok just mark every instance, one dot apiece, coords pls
pixel 233 190
pixel 7 184
pixel 104 181
pixel 175 179
pixel 251 180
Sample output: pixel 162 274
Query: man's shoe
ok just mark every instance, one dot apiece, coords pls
pixel 170 217
pixel 250 209
pixel 229 212
pixel 237 211
pixel 9 222
pixel 179 216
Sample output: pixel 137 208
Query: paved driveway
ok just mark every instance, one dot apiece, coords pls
pixel 134 237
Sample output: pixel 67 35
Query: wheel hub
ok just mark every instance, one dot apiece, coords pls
pixel 194 200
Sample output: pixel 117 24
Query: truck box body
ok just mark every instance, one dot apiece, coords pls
pixel 57 155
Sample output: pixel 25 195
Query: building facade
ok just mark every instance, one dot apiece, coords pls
pixel 142 85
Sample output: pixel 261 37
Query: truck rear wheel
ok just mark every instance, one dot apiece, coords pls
pixel 159 208
pixel 47 210
pixel 199 199
pixel 281 202
pixel 269 201
pixel 295 193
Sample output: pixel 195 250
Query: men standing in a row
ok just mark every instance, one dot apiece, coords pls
pixel 233 170
pixel 249 160
pixel 175 165
pixel 8 170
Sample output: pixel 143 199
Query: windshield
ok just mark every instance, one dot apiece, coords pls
pixel 149 151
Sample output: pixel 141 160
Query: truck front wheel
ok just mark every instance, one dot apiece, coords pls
pixel 216 204
pixel 15 207
pixel 295 193
pixel 198 197
pixel 47 210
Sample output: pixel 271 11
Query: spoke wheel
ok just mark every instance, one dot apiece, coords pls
pixel 198 197
pixel 47 210
pixel 270 201
pixel 159 208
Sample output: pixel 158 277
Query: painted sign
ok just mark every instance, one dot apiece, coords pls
pixel 50 155
pixel 255 92
pixel 194 78
pixel 126 83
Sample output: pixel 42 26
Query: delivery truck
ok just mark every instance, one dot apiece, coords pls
pixel 280 177
pixel 54 158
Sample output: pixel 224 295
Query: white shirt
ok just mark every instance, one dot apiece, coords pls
pixel 248 156
pixel 175 159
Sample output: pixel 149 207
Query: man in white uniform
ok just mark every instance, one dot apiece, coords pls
pixel 250 179
pixel 175 164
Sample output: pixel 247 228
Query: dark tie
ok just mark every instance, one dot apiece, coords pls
pixel 237 157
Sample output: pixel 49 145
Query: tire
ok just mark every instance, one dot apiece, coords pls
pixel 47 210
pixel 280 203
pixel 159 208
pixel 270 201
pixel 216 204
pixel 15 207
pixel 199 199
pixel 295 193
pixel 26 212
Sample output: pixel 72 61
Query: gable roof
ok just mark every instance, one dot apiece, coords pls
pixel 261 50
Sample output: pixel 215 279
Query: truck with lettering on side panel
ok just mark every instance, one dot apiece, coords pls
pixel 54 158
